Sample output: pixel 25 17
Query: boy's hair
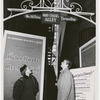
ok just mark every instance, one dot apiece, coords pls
pixel 23 69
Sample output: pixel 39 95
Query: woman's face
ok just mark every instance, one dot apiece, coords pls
pixel 28 71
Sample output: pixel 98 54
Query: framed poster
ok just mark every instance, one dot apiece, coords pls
pixel 84 79
pixel 87 53
pixel 20 49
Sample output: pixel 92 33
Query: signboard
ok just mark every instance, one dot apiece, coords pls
pixel 84 83
pixel 20 49
pixel 68 18
pixel 33 16
pixel 51 17
pixel 87 53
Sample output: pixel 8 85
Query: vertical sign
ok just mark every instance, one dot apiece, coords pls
pixel 84 83
pixel 23 49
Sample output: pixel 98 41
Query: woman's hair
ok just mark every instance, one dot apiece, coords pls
pixel 23 69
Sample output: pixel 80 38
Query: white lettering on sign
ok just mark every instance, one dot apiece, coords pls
pixel 68 19
pixel 45 15
pixel 51 15
pixel 31 16
pixel 50 19
pixel 25 40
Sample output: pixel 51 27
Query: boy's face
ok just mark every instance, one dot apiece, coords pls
pixel 28 70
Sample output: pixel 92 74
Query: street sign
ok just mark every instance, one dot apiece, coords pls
pixel 33 16
pixel 51 17
pixel 66 18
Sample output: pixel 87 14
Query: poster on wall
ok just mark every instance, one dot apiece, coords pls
pixel 87 53
pixel 20 49
pixel 84 79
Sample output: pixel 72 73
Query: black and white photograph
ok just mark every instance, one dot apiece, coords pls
pixel 49 50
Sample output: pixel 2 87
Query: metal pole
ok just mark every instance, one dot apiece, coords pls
pixel 55 45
